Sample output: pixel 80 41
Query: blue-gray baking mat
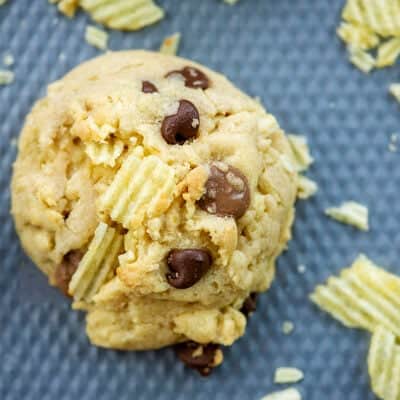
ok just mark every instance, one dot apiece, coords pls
pixel 286 52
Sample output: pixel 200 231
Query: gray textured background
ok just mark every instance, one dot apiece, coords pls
pixel 287 53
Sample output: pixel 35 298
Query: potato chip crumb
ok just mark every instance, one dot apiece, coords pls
pixel 170 44
pixel 351 213
pixel 394 90
pixel 6 77
pixel 393 143
pixel 301 269
pixel 96 37
pixel 288 375
pixel 8 60
pixel 287 327
pixel 231 2
pixel 364 61
pixel 306 188
pixel 288 394
pixel 301 151
pixel 2 2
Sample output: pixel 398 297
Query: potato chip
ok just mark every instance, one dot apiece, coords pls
pixel 288 394
pixel 351 213
pixel 364 296
pixel 104 153
pixel 388 52
pixel 394 90
pixel 97 263
pixel 301 151
pixel 143 187
pixel 6 77
pixel 128 15
pixel 384 364
pixel 364 61
pixel 288 375
pixel 170 44
pixel 358 36
pixel 306 188
pixel 67 7
pixel 96 37
pixel 231 2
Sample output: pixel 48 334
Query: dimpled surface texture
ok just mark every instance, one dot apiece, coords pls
pixel 67 162
pixel 285 52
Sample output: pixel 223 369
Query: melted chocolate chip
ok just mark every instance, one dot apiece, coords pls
pixel 202 358
pixel 66 269
pixel 148 87
pixel 226 192
pixel 249 305
pixel 187 266
pixel 193 77
pixel 182 126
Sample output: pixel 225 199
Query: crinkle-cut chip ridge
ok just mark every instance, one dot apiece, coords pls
pixel 388 52
pixel 364 61
pixel 350 213
pixel 143 187
pixel 384 364
pixel 358 36
pixel 363 296
pixel 123 14
pixel 98 262
pixel 381 16
pixel 104 153
pixel 96 37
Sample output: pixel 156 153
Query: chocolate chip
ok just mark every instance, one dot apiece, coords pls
pixel 66 269
pixel 202 358
pixel 249 305
pixel 182 126
pixel 226 192
pixel 187 266
pixel 193 77
pixel 148 87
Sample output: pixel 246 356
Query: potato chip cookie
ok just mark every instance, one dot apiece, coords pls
pixel 158 196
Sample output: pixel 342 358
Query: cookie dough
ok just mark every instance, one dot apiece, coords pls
pixel 158 196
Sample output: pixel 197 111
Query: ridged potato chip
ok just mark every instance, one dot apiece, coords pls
pixel 100 259
pixel 364 61
pixel 388 52
pixel 67 7
pixel 128 15
pixel 350 213
pixel 358 36
pixel 381 16
pixel 364 296
pixel 104 153
pixel 384 364
pixel 144 186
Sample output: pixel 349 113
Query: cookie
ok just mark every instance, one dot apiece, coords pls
pixel 163 193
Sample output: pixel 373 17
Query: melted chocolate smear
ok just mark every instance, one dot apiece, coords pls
pixel 204 362
pixel 66 269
